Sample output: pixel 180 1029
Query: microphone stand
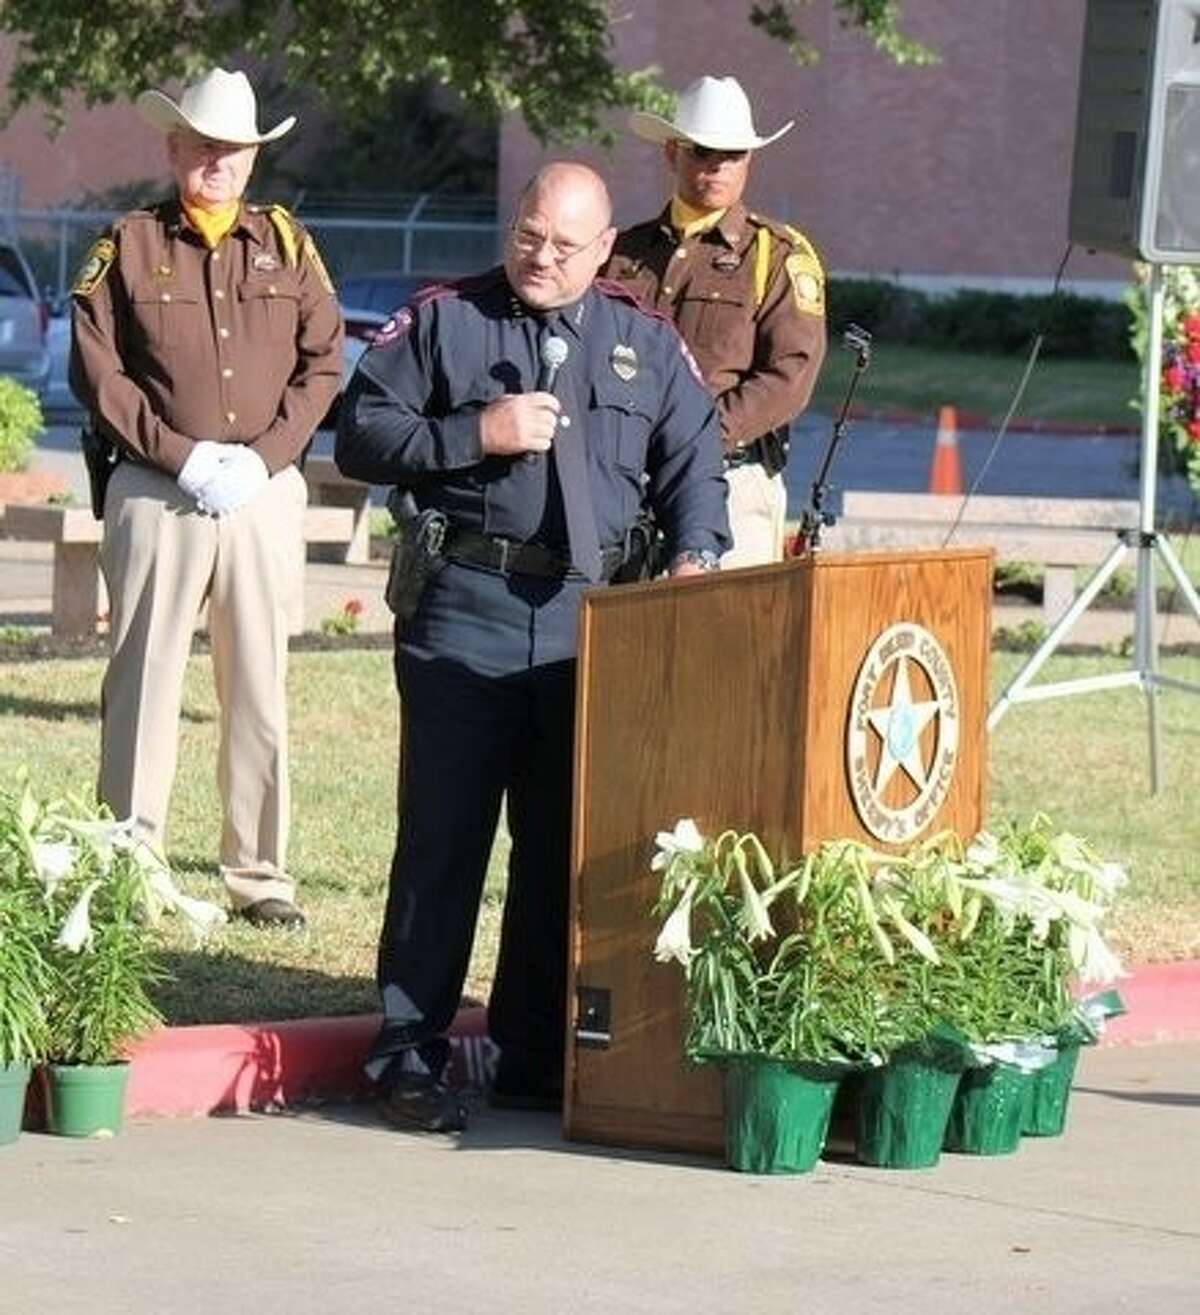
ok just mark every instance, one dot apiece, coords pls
pixel 814 517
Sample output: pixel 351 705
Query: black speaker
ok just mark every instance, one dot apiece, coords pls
pixel 1135 184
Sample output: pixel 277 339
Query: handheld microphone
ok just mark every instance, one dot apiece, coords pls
pixel 552 354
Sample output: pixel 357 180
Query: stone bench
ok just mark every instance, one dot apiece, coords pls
pixel 1058 534
pixel 78 596
pixel 328 487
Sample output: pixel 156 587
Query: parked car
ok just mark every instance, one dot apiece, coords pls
pixel 367 300
pixel 23 320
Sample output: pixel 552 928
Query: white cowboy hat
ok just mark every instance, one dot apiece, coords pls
pixel 221 106
pixel 712 112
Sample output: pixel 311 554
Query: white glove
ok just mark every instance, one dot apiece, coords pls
pixel 236 482
pixel 202 464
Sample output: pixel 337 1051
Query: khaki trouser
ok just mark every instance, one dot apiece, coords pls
pixel 162 559
pixel 757 512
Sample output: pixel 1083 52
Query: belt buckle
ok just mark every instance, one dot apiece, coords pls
pixel 503 545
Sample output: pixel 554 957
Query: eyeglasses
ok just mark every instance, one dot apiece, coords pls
pixel 529 243
pixel 704 153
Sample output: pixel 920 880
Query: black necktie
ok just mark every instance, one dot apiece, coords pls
pixel 570 461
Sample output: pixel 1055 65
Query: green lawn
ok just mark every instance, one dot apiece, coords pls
pixel 1081 760
pixel 919 380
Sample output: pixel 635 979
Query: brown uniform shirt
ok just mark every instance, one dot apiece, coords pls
pixel 760 358
pixel 173 342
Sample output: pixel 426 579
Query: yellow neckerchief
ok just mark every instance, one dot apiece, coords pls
pixel 212 225
pixel 687 221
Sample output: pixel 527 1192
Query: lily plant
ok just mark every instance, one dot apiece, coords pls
pixel 851 954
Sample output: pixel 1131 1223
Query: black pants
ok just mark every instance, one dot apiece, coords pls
pixel 467 740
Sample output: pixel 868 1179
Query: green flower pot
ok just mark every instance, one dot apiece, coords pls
pixel 903 1109
pixel 989 1110
pixel 1049 1092
pixel 86 1100
pixel 14 1078
pixel 776 1114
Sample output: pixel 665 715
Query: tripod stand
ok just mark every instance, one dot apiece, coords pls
pixel 1145 542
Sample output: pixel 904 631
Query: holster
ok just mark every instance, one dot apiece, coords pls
pixel 774 448
pixel 101 457
pixel 645 551
pixel 416 552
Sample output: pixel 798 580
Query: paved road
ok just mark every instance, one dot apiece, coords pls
pixel 329 1212
pixel 880 456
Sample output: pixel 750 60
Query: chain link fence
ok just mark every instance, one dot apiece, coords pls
pixel 422 242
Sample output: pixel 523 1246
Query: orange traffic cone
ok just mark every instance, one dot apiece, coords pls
pixel 945 475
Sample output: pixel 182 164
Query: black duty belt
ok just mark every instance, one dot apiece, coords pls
pixel 512 557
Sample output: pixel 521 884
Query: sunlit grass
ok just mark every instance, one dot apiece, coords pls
pixel 1081 760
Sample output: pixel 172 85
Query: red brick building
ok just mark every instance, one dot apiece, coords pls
pixel 950 174
pixel 954 173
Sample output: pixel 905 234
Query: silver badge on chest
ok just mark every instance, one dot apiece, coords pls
pixel 624 362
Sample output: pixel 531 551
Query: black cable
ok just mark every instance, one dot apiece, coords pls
pixel 1034 352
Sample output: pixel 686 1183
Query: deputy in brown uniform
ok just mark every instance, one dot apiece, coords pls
pixel 746 292
pixel 207 346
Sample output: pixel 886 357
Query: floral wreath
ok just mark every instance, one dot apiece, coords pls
pixel 1179 381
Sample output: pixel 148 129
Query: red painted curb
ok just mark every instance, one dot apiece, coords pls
pixel 1162 1002
pixel 181 1072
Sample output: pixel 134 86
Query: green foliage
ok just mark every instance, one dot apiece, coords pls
pixel 24 924
pixel 20 423
pixel 548 60
pixel 878 19
pixel 344 622
pixel 854 955
pixel 968 320
pixel 78 899
pixel 1024 638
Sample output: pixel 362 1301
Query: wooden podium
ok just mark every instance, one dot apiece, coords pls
pixel 764 700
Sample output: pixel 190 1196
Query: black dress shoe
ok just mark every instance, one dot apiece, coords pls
pixel 273 913
pixel 419 1102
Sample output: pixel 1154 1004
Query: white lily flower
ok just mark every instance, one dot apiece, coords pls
pixel 52 859
pixel 983 851
pixel 1109 878
pixel 754 914
pixel 1096 961
pixel 685 839
pixel 102 836
pixel 76 932
pixel 201 914
pixel 675 939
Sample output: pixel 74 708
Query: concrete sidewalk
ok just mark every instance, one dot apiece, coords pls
pixel 329 1211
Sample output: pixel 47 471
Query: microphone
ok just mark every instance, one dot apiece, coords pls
pixel 552 354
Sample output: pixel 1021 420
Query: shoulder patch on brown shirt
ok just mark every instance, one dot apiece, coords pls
pixel 310 250
pixel 96 265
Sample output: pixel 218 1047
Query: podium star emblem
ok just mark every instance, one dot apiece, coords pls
pixel 899 725
pixel 889 732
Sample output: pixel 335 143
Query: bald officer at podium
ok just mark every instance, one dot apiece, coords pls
pixel 525 413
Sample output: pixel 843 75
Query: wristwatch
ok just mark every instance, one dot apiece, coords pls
pixel 704 558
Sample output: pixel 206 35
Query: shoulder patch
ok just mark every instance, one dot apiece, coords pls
pixel 401 320
pixel 290 233
pixel 395 327
pixel 808 282
pixel 96 265
pixel 314 258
